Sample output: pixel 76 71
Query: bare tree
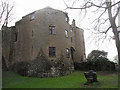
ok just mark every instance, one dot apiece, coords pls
pixel 5 12
pixel 106 14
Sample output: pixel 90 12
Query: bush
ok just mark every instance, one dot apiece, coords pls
pixel 41 66
pixel 4 66
pixel 100 64
pixel 20 67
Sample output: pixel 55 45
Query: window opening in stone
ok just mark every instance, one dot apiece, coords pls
pixel 15 37
pixel 66 33
pixel 32 16
pixel 71 39
pixel 67 53
pixel 52 52
pixel 32 33
pixel 51 29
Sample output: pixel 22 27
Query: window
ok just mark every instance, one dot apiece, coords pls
pixel 71 39
pixel 15 39
pixel 52 52
pixel 32 16
pixel 32 49
pixel 66 33
pixel 51 29
pixel 67 53
pixel 32 33
pixel 66 19
pixel 71 30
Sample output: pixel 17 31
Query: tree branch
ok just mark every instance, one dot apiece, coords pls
pixel 106 30
pixel 5 12
pixel 91 4
pixel 118 10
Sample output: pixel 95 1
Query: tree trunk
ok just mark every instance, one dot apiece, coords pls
pixel 114 28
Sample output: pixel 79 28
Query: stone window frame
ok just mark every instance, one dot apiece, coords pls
pixel 52 51
pixel 32 33
pixel 51 29
pixel 32 16
pixel 71 30
pixel 15 37
pixel 66 33
pixel 71 39
pixel 67 52
pixel 66 17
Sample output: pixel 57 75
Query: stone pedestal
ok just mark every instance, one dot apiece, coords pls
pixel 91 77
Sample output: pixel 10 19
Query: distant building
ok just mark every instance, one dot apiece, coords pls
pixel 47 30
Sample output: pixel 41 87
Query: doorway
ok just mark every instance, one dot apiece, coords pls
pixel 72 52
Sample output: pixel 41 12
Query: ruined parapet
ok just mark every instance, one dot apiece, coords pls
pixel 79 53
pixel 8 36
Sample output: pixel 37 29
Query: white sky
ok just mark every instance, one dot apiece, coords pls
pixel 24 7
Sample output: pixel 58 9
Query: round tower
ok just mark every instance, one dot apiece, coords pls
pixel 45 31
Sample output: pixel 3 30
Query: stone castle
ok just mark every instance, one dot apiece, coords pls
pixel 44 43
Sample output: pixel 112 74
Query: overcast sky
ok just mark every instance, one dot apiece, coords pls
pixel 24 7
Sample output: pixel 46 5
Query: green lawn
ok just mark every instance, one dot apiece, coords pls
pixel 74 80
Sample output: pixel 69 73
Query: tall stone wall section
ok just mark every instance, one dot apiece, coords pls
pixel 8 38
pixel 79 46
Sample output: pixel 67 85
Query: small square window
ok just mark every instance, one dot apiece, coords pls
pixel 52 52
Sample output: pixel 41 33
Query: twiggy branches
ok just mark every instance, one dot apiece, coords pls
pixel 89 5
pixel 5 12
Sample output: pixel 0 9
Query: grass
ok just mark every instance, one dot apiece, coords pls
pixel 74 80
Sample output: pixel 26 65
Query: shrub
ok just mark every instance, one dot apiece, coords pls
pixel 20 67
pixel 4 66
pixel 100 64
pixel 41 66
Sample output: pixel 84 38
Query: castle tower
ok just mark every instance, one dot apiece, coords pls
pixel 48 30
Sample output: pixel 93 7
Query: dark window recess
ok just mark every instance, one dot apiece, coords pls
pixel 32 49
pixel 32 33
pixel 15 39
pixel 51 29
pixel 72 52
pixel 71 39
pixel 52 51
pixel 67 53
